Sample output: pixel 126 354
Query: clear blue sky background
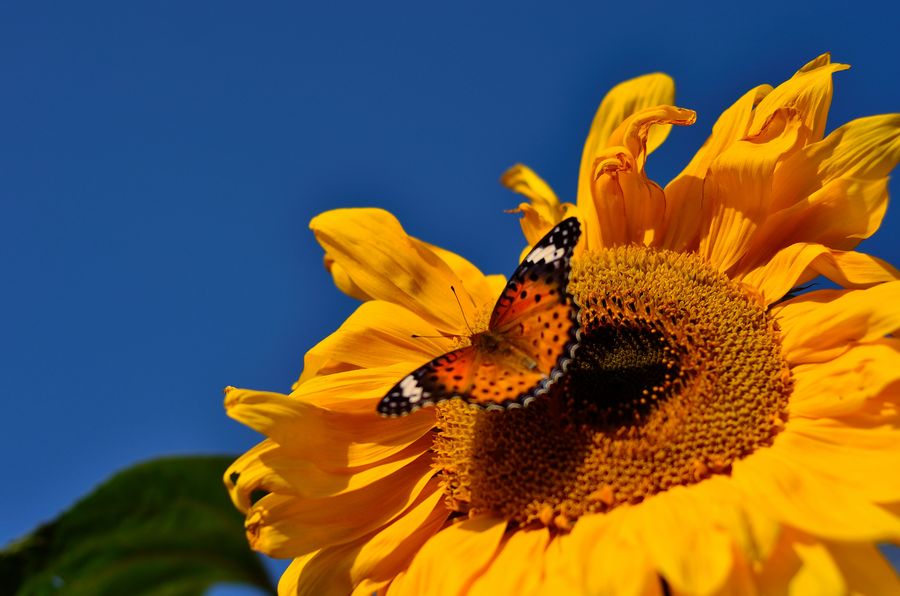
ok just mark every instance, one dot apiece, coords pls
pixel 160 162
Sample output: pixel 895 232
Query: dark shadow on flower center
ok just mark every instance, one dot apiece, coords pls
pixel 619 375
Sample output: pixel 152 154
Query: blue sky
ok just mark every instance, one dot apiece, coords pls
pixel 160 162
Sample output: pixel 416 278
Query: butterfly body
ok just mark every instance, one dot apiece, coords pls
pixel 532 336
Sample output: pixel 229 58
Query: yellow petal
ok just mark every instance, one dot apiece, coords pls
pixel 453 558
pixel 275 469
pixel 354 391
pixel 801 262
pixel 517 567
pixel 805 500
pixel 613 558
pixel 385 263
pixel 383 555
pixel 349 567
pixel 544 211
pixel 816 332
pixel 808 93
pixel 864 569
pixel 691 553
pixel 623 100
pixel 287 526
pixel 621 193
pixel 838 215
pixel 386 331
pixel 737 190
pixel 842 385
pixel 287 585
pixel 851 458
pixel 342 279
pixel 474 281
pixel 334 440
pixel 684 192
pixel 801 566
pixel 863 149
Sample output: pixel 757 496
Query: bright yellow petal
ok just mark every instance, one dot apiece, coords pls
pixel 288 584
pixel 383 555
pixel 841 386
pixel 805 500
pixel 474 281
pixel 623 100
pixel 801 262
pixel 800 567
pixel 544 209
pixel 684 192
pixel 864 570
pixel 517 567
pixel 386 332
pixel 692 554
pixel 337 569
pixel 286 526
pixel 624 206
pixel 808 93
pixel 278 470
pixel 334 440
pixel 612 557
pixel 814 332
pixel 452 559
pixel 838 215
pixel 863 461
pixel 737 190
pixel 863 149
pixel 385 263
pixel 342 279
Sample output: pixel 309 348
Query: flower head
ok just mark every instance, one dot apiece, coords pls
pixel 714 434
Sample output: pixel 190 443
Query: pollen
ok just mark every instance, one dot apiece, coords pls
pixel 679 375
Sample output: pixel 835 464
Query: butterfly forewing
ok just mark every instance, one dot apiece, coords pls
pixel 535 313
pixel 445 377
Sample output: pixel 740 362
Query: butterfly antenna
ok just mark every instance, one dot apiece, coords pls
pixel 458 303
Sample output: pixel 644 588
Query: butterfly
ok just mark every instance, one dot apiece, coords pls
pixel 531 338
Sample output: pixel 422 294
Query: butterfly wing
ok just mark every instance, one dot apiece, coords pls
pixel 535 313
pixel 532 335
pixel 503 379
pixel 447 376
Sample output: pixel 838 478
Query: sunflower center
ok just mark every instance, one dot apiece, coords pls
pixel 678 375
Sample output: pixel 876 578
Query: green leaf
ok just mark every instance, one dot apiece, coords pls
pixel 165 527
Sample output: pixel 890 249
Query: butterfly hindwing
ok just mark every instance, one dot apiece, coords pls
pixel 501 381
pixel 447 376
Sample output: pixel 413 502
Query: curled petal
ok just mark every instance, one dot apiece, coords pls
pixel 620 190
pixel 622 101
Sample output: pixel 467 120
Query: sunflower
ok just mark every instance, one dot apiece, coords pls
pixel 718 431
